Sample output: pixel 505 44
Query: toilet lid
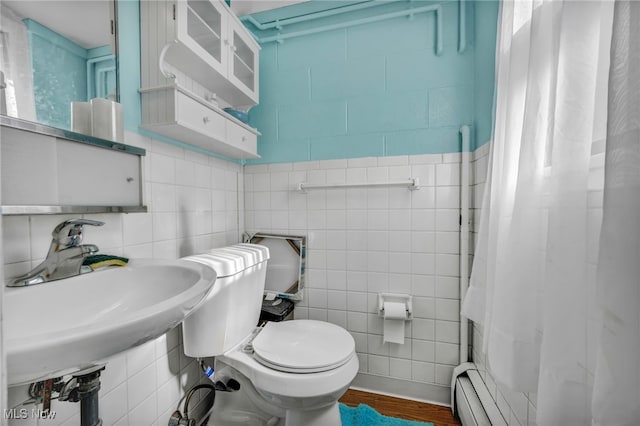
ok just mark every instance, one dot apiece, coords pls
pixel 303 346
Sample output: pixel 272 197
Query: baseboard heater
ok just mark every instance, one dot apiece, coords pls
pixel 471 400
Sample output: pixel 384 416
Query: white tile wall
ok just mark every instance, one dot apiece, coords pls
pixel 362 241
pixel 195 202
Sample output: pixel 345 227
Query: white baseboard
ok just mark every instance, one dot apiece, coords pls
pixel 422 392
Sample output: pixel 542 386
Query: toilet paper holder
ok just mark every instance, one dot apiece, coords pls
pixel 407 299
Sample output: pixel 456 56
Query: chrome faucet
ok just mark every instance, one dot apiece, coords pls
pixel 65 255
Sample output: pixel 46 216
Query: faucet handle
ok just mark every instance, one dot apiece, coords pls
pixel 69 232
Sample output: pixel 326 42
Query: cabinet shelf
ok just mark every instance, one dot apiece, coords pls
pixel 245 70
pixel 201 71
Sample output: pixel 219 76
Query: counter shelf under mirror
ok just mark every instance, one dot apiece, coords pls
pixel 55 53
pixel 47 170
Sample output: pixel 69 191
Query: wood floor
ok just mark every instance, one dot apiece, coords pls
pixel 401 408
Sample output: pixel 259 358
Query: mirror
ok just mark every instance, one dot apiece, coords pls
pixel 286 265
pixel 53 53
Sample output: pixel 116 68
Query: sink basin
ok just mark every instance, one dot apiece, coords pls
pixel 59 327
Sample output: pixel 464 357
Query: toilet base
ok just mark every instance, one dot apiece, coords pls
pixel 249 416
pixel 247 407
pixel 244 407
pixel 324 416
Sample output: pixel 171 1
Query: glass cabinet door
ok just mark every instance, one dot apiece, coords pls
pixel 202 25
pixel 243 62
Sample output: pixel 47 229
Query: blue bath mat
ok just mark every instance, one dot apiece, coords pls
pixel 363 415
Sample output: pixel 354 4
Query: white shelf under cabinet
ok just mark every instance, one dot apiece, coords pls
pixel 177 113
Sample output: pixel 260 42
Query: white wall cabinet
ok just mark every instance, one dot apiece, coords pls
pixel 46 171
pixel 198 58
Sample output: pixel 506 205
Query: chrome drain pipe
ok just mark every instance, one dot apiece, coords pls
pixel 88 388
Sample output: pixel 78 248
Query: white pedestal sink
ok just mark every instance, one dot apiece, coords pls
pixel 59 327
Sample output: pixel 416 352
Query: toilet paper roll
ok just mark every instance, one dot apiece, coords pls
pixel 395 315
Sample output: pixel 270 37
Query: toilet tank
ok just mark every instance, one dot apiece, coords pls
pixel 231 310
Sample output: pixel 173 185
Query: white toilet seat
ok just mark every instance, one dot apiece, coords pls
pixel 303 346
pixel 293 387
pixel 287 385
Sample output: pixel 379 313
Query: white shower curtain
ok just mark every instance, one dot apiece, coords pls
pixel 617 379
pixel 559 302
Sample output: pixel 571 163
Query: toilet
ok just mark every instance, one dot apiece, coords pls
pixel 289 373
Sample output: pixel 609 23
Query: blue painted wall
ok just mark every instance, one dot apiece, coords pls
pixel 101 73
pixel 370 90
pixel 377 89
pixel 60 73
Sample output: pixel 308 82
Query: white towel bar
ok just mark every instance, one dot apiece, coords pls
pixel 411 184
